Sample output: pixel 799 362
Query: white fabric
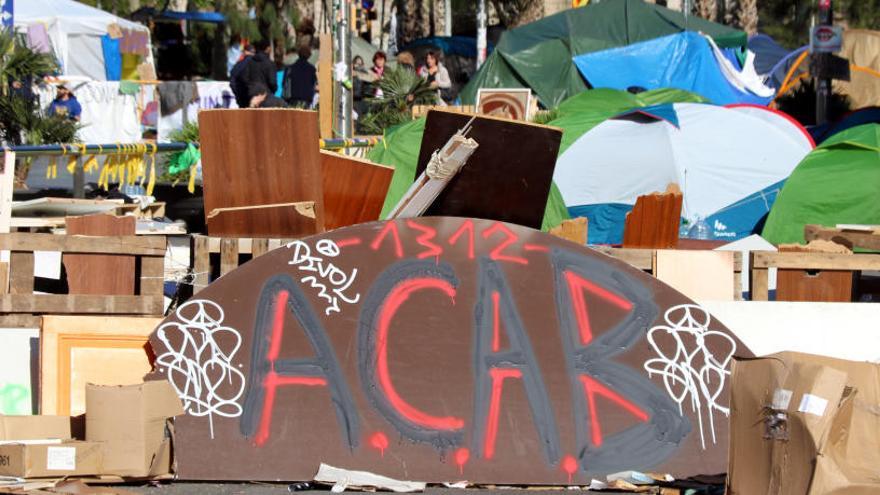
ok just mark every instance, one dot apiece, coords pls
pixel 107 116
pixel 211 95
pixel 717 156
pixel 75 30
pixel 746 80
pixel 781 121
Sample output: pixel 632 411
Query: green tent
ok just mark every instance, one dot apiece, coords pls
pixel 400 145
pixel 538 55
pixel 838 182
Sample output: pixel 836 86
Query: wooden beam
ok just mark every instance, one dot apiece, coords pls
pixel 638 258
pixel 228 255
pixel 21 273
pixel 134 245
pixel 201 262
pixel 81 304
pixel 865 239
pixel 325 86
pixel 7 179
pixel 815 261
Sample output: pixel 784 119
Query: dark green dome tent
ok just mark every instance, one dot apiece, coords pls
pixel 538 55
pixel 837 183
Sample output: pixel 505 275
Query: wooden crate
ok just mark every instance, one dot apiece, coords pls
pixel 761 261
pixel 231 252
pixel 17 298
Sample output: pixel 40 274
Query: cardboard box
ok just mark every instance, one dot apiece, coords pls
pixel 804 424
pixel 47 459
pixel 34 427
pixel 133 421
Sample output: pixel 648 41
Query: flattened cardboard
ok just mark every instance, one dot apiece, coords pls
pixel 804 424
pixel 52 460
pixel 132 422
pixel 34 427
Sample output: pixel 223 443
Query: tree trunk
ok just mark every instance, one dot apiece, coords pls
pixel 707 9
pixel 747 16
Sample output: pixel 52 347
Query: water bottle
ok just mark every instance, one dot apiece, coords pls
pixel 700 230
pixel 684 228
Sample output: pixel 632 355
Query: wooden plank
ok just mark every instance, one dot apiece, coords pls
pixel 100 273
pixel 574 230
pixel 7 180
pixel 849 238
pixel 76 350
pixel 228 256
pixel 152 275
pixel 354 189
pixel 64 207
pixel 21 320
pixel 274 159
pixel 81 304
pixel 759 279
pixel 815 261
pixel 21 273
pixel 643 259
pixel 653 222
pixel 4 277
pixel 259 247
pixel 507 178
pixel 283 219
pixel 325 86
pixel 201 262
pixel 21 241
pixel 700 275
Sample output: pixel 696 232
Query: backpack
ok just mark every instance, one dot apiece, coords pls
pixel 287 84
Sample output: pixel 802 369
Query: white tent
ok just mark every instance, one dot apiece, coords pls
pixel 728 162
pixel 75 32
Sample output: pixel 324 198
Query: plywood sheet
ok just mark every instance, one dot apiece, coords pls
pixel 507 178
pixel 258 157
pixel 20 355
pixel 438 348
pixel 354 189
pixel 700 275
pixel 291 219
pixel 100 274
pixel 76 350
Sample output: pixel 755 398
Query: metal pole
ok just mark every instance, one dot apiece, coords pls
pixel 481 33
pixel 823 85
pixel 447 17
pixel 343 83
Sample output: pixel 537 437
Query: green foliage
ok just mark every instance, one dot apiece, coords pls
pixel 544 116
pixel 401 89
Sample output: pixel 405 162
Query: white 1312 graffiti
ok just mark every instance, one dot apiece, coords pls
pixel 690 371
pixel 198 361
pixel 324 273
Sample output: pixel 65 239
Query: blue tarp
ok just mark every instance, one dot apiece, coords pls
pixel 682 61
pixel 112 58
pixel 463 46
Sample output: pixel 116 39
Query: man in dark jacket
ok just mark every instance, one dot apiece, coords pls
pixel 236 78
pixel 300 79
pixel 261 69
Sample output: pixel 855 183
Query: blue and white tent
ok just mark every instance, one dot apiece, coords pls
pixel 728 163
pixel 688 61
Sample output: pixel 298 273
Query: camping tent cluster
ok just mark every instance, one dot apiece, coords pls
pixel 87 42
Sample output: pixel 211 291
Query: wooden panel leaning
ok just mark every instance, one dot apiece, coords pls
pixel 654 220
pixel 230 253
pixel 762 260
pixel 149 254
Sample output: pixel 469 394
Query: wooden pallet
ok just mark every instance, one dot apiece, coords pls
pixel 761 261
pixel 17 297
pixel 232 252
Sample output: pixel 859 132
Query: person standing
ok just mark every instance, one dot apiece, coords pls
pixel 260 70
pixel 436 74
pixel 236 78
pixel 300 79
pixel 65 104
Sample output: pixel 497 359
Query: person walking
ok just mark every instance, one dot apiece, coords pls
pixel 237 80
pixel 260 70
pixel 300 79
